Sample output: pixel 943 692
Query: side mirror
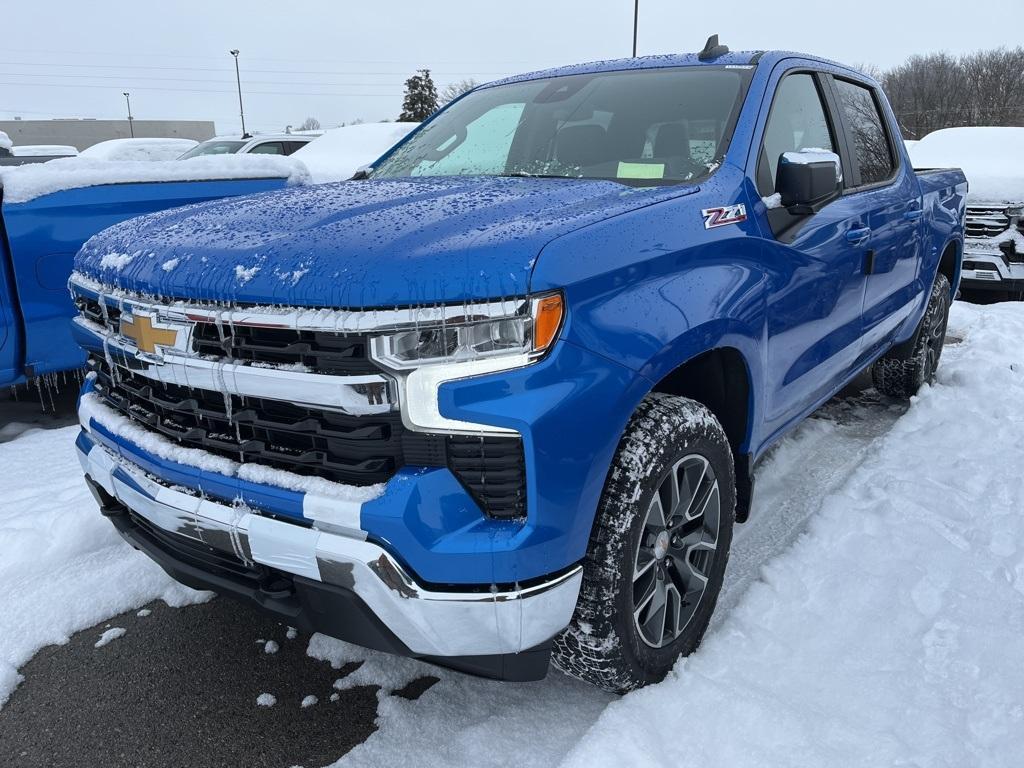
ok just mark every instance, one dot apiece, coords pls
pixel 808 180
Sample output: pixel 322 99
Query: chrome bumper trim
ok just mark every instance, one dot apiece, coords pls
pixel 430 623
pixel 305 319
pixel 356 395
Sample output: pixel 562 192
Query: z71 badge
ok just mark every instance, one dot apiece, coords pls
pixel 726 214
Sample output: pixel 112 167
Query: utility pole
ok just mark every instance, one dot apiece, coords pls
pixel 636 18
pixel 238 79
pixel 131 120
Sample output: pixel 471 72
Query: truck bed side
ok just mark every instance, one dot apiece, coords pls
pixel 42 237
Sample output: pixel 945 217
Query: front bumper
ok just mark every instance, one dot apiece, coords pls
pixel 988 270
pixel 332 582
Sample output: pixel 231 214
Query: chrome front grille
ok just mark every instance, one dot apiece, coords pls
pixel 355 450
pixel 301 398
pixel 986 221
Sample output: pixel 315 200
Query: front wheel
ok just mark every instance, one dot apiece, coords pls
pixel 658 550
pixel 902 371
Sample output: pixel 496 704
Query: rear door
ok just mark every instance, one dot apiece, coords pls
pixel 815 301
pixel 890 195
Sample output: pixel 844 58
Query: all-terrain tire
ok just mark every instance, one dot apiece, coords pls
pixel 903 370
pixel 603 645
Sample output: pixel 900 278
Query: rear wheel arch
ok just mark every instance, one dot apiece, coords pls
pixel 949 264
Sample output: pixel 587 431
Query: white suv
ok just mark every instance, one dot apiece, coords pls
pixel 264 144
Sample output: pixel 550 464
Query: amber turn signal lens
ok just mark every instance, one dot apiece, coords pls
pixel 547 319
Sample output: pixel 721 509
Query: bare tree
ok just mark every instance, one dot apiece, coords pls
pixel 310 124
pixel 941 91
pixel 452 91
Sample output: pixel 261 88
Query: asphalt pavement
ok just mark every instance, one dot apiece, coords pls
pixel 180 688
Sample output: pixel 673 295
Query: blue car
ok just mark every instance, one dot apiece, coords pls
pixel 498 401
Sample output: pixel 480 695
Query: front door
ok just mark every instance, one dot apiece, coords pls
pixel 816 264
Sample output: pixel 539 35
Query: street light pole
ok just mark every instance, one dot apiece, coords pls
pixel 636 18
pixel 131 120
pixel 238 79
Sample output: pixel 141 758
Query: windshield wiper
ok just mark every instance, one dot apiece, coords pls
pixel 526 175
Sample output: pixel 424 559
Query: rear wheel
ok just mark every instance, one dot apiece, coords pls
pixel 658 550
pixel 902 371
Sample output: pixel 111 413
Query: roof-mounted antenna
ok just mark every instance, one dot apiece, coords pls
pixel 712 50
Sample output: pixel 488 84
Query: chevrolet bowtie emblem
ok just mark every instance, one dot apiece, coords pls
pixel 140 330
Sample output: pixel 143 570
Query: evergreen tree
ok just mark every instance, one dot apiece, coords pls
pixel 420 98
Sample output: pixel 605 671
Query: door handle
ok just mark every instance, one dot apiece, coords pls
pixel 913 215
pixel 857 236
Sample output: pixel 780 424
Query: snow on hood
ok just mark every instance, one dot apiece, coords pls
pixel 27 182
pixel 374 243
pixel 340 152
pixel 5 141
pixel 989 157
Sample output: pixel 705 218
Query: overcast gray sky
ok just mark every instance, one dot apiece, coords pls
pixel 339 60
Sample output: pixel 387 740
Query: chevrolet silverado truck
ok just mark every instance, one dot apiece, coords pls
pixel 498 400
pixel 993 262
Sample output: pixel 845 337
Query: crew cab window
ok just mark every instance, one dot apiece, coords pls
pixel 871 142
pixel 641 127
pixel 268 148
pixel 797 121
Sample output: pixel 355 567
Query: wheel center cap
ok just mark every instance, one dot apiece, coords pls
pixel 661 545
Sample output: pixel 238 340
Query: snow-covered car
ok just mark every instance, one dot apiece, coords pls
pixel 264 144
pixel 993 161
pixel 26 154
pixel 44 150
pixel 139 149
pixel 340 152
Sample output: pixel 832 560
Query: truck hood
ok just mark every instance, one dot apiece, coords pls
pixel 377 243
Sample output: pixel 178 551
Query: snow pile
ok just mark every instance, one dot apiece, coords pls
pixel 5 141
pixel 110 636
pixel 989 157
pixel 461 720
pixel 63 567
pixel 266 700
pixel 27 182
pixel 890 634
pixel 340 152
pixel 138 149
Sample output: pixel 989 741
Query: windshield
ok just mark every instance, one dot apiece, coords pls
pixel 214 147
pixel 650 126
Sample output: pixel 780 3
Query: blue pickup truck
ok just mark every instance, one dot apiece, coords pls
pixel 498 401
pixel 48 211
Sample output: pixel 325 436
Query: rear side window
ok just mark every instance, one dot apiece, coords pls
pixel 268 148
pixel 797 121
pixel 867 129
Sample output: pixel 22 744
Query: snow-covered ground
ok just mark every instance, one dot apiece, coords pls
pixel 62 566
pixel 873 614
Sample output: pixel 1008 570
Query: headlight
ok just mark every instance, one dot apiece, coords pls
pixel 461 342
pixel 474 333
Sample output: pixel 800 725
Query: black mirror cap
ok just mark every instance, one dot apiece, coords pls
pixel 806 187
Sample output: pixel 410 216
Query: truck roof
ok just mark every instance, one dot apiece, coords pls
pixel 732 58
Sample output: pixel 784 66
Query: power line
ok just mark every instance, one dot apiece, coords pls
pixel 221 69
pixel 126 79
pixel 150 55
pixel 203 90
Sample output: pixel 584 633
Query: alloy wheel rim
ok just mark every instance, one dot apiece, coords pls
pixel 676 551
